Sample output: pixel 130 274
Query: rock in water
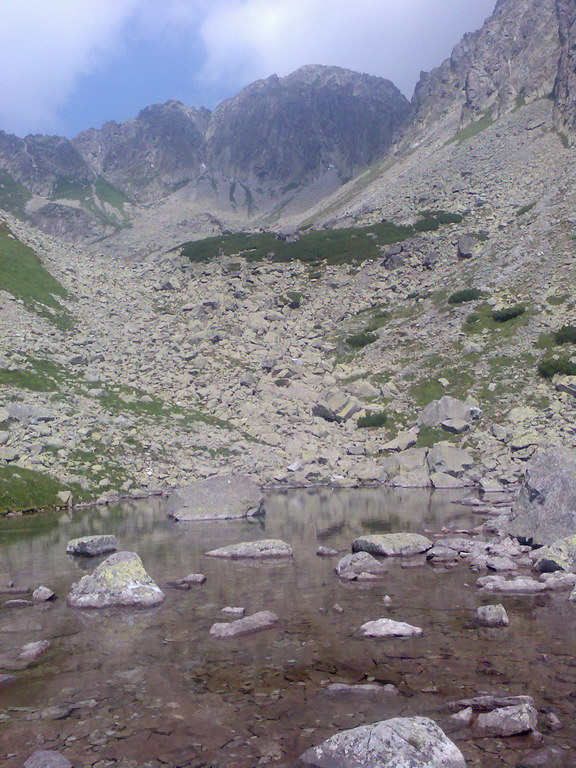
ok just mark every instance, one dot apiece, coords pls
pixel 360 566
pixel 257 622
pixel 218 498
pixel 508 721
pixel 47 759
pixel 254 550
pixel 119 580
pixel 403 742
pixel 389 628
pixel 546 508
pixel 558 556
pixel 492 616
pixel 392 544
pixel 92 546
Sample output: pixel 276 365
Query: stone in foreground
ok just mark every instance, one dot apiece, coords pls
pixel 402 742
pixel 392 544
pixel 389 628
pixel 254 550
pixel 492 616
pixel 257 622
pixel 227 497
pixel 120 580
pixel 186 582
pixel 47 759
pixel 508 721
pixel 92 546
pixel 33 651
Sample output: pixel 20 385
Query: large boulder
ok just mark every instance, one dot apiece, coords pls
pixel 392 544
pixel 402 742
pixel 407 469
pixel 445 458
pixel 336 406
pixel 558 556
pixel 119 580
pixel 447 409
pixel 219 498
pixel 546 507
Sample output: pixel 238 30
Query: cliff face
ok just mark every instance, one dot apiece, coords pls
pixel 565 88
pixel 512 60
pixel 288 131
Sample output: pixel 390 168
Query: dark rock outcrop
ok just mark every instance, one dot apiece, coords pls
pixel 565 87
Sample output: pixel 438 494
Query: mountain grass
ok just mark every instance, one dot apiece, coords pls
pixel 13 195
pixel 350 245
pixel 23 275
pixel 473 129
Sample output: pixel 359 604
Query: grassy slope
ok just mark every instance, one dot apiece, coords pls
pixel 23 275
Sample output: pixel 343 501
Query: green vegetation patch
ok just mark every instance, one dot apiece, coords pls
pixel 525 209
pixel 25 489
pixel 430 221
pixel 556 301
pixel 372 420
pixel 473 129
pixel 508 313
pixel 429 436
pixel 566 335
pixel 562 365
pixel 465 295
pixel 292 299
pixel 361 340
pixel 13 195
pixel 23 275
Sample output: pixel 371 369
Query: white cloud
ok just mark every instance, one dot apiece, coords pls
pixel 50 44
pixel 246 39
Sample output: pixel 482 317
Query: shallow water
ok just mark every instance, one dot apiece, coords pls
pixel 152 688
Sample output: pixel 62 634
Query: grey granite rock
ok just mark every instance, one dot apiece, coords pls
pixel 225 497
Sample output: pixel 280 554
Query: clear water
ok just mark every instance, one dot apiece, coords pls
pixel 130 687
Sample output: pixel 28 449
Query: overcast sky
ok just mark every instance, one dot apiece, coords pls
pixel 67 65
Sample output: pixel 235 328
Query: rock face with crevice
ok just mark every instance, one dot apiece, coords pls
pixel 565 87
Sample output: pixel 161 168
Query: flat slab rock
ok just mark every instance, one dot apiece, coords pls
pixel 257 622
pixel 389 628
pixel 186 582
pixel 402 742
pixel 508 721
pixel 392 544
pixel 218 498
pixel 119 581
pixel 265 548
pixel 92 546
pixel 47 759
pixel 362 689
pixel 502 585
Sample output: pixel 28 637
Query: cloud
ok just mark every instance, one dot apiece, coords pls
pixel 247 39
pixel 48 45
pixel 54 44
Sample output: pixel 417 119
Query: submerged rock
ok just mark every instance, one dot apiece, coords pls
pixel 402 742
pixel 257 622
pixel 265 548
pixel 392 544
pixel 522 584
pixel 92 546
pixel 119 580
pixel 33 651
pixel 218 498
pixel 389 628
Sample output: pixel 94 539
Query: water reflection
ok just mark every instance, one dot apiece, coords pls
pixel 161 691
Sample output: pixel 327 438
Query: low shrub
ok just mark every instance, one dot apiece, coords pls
pixel 372 420
pixel 566 335
pixel 549 368
pixel 467 294
pixel 361 339
pixel 508 313
pixel 292 299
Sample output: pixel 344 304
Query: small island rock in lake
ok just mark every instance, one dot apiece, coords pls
pixel 219 498
pixel 120 580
